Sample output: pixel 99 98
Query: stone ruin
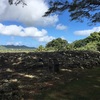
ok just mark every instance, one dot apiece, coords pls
pixel 51 61
pixel 15 69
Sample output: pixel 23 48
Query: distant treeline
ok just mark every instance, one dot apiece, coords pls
pixel 92 43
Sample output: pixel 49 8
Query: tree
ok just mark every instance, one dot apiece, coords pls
pixel 95 36
pixel 79 43
pixel 40 48
pixel 16 2
pixel 98 46
pixel 59 44
pixel 89 43
pixel 78 9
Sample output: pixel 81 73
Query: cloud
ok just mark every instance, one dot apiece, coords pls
pixel 14 43
pixel 18 43
pixel 62 37
pixel 46 39
pixel 14 30
pixel 87 32
pixel 61 27
pixel 29 15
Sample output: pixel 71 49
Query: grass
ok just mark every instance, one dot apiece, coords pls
pixel 16 50
pixel 84 88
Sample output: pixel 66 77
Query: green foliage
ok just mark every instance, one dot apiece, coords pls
pixel 79 43
pixel 92 46
pixel 78 9
pixel 92 42
pixel 98 46
pixel 89 43
pixel 94 36
pixel 58 44
pixel 40 48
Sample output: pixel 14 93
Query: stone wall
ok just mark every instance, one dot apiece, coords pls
pixel 15 66
pixel 50 60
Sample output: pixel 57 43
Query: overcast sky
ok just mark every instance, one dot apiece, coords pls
pixel 25 25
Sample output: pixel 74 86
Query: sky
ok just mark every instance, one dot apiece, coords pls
pixel 25 25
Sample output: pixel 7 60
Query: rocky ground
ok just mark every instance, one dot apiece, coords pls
pixel 24 75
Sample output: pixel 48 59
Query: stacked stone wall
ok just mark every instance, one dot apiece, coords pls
pixel 67 59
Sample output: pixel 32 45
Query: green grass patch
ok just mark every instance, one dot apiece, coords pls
pixel 84 88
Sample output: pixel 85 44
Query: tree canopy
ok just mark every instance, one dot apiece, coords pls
pixel 16 2
pixel 92 42
pixel 78 9
pixel 58 44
